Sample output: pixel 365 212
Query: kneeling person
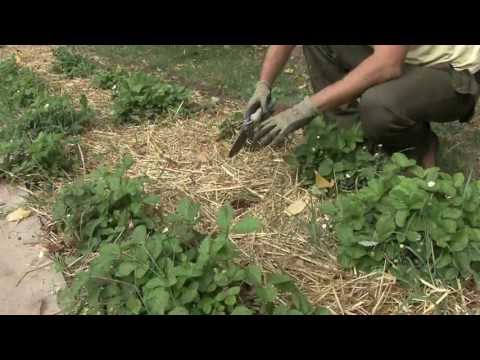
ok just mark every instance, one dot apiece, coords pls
pixel 395 91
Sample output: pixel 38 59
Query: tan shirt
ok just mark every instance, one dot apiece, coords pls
pixel 461 57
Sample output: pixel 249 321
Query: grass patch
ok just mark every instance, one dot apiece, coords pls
pixel 225 72
pixel 72 64
pixel 37 129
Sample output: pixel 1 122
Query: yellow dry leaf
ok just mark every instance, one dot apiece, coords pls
pixel 296 208
pixel 323 183
pixel 289 71
pixel 18 215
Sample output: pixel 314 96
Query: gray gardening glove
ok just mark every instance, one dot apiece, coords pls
pixel 275 129
pixel 261 98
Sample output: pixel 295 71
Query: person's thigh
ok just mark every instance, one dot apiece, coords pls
pixel 422 95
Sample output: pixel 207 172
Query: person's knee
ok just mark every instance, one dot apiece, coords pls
pixel 376 115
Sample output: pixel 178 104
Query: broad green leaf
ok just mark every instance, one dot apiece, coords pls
pixel 225 218
pixel 459 241
pixel 179 310
pixel 139 234
pixel 247 225
pixel 254 275
pixel 345 234
pixel 280 310
pixel 402 161
pixel 450 226
pixel 443 261
pixel 110 250
pixel 233 291
pixel 385 227
pixel 355 252
pixel 230 300
pixel 401 218
pixel 267 294
pixel 325 167
pixel 141 270
pixel 413 236
pixel 125 269
pixel 134 304
pixel 155 283
pixel 189 294
pixel 450 273
pixel 452 213
pixel 154 246
pixel 188 210
pixel 242 310
pixel 157 301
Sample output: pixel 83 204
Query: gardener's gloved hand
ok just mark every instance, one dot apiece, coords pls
pixel 275 129
pixel 261 98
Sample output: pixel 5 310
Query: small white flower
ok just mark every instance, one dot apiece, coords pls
pixel 380 146
pixel 327 218
pixel 364 148
pixel 431 184
pixel 165 230
pixel 348 176
pixel 114 87
pixel 376 154
pixel 313 149
pixel 402 246
pixel 47 106
pixel 324 226
pixel 318 137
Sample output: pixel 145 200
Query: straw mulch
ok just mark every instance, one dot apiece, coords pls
pixel 184 159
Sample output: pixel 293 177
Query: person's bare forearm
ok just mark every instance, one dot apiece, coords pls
pixel 276 58
pixel 374 70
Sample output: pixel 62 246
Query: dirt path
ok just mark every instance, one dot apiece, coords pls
pixel 28 281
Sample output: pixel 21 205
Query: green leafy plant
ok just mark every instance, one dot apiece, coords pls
pixel 141 95
pixel 36 130
pixel 103 208
pixel 178 271
pixel 46 156
pixel 107 79
pixel 56 114
pixel 72 64
pixel 416 223
pixel 335 153
pixel 19 87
